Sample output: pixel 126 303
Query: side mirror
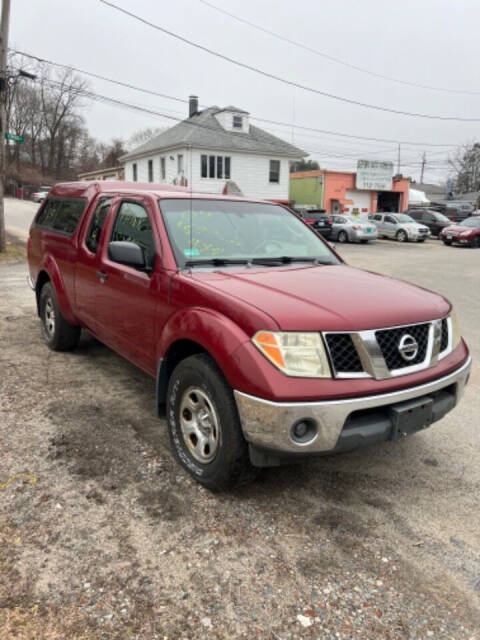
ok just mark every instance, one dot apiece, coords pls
pixel 127 253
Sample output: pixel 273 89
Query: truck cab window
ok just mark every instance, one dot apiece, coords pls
pixel 132 224
pixel 96 224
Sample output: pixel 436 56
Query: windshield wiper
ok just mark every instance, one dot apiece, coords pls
pixel 288 260
pixel 216 262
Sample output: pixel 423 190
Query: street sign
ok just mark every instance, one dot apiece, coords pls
pixel 374 175
pixel 14 137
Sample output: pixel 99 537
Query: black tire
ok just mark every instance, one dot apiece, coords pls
pixel 476 244
pixel 342 237
pixel 230 466
pixel 447 242
pixel 57 332
pixel 364 241
pixel 420 241
pixel 401 236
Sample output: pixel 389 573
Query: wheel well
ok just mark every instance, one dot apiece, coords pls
pixel 177 352
pixel 43 277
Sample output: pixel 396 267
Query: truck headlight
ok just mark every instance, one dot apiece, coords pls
pixel 456 331
pixel 294 353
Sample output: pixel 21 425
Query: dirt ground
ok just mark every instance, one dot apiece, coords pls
pixel 102 535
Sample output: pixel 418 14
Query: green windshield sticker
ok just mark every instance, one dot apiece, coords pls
pixel 191 252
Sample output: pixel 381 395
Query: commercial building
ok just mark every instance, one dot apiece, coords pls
pixel 342 191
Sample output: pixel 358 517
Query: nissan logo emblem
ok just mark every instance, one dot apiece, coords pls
pixel 408 347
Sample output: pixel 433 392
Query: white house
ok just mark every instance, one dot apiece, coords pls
pixel 216 151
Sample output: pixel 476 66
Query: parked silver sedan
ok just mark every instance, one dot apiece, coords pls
pixel 399 226
pixel 351 229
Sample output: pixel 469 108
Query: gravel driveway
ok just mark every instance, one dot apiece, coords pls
pixel 103 536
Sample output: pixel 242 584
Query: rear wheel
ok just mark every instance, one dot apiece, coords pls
pixel 204 426
pixel 363 241
pixel 342 236
pixel 57 332
pixel 401 236
pixel 476 242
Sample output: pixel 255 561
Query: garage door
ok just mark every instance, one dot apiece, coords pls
pixel 361 201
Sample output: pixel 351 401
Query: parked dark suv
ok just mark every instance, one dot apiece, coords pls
pixel 319 220
pixel 434 220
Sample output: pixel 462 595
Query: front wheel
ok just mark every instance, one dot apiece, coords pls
pixel 447 242
pixel 57 332
pixel 204 426
pixel 401 236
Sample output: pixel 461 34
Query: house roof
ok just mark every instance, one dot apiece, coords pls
pixel 203 130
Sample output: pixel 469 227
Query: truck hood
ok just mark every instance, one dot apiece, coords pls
pixel 333 297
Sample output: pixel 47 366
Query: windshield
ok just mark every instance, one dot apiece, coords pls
pixel 402 217
pixel 225 230
pixel 471 222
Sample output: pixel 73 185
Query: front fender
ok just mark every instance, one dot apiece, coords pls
pixel 213 331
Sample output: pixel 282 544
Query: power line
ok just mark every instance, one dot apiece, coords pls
pixel 264 120
pixel 332 58
pixel 290 83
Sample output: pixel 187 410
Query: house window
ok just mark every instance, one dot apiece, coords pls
pixel 237 122
pixel 134 171
pixel 163 171
pixel 150 170
pixel 180 163
pixel 215 167
pixel 204 166
pixel 274 174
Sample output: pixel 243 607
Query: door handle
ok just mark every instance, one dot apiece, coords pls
pixel 102 275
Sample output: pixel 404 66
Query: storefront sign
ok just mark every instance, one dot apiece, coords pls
pixel 374 175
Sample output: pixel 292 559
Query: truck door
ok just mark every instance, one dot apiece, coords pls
pixel 86 265
pixel 126 297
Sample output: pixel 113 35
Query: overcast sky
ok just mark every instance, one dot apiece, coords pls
pixel 428 42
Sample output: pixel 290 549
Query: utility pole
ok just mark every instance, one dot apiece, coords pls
pixel 424 162
pixel 3 96
pixel 398 160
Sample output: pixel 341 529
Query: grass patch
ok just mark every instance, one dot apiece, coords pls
pixel 14 253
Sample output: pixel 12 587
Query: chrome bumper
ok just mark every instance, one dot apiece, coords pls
pixel 268 424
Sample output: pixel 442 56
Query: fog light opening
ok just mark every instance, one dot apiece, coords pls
pixel 304 431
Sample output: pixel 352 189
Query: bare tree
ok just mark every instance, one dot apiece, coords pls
pixel 466 168
pixel 59 99
pixel 142 136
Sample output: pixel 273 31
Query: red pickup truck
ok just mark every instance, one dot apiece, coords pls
pixel 264 344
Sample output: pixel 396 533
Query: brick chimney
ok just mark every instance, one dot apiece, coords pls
pixel 192 106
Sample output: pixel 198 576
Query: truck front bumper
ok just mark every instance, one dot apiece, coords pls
pixel 340 425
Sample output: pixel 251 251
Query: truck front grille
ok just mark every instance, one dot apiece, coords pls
pixel 381 350
pixel 343 354
pixel 389 339
pixel 444 340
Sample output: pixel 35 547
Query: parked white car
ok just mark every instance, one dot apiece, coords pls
pixel 352 229
pixel 400 227
pixel 39 196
